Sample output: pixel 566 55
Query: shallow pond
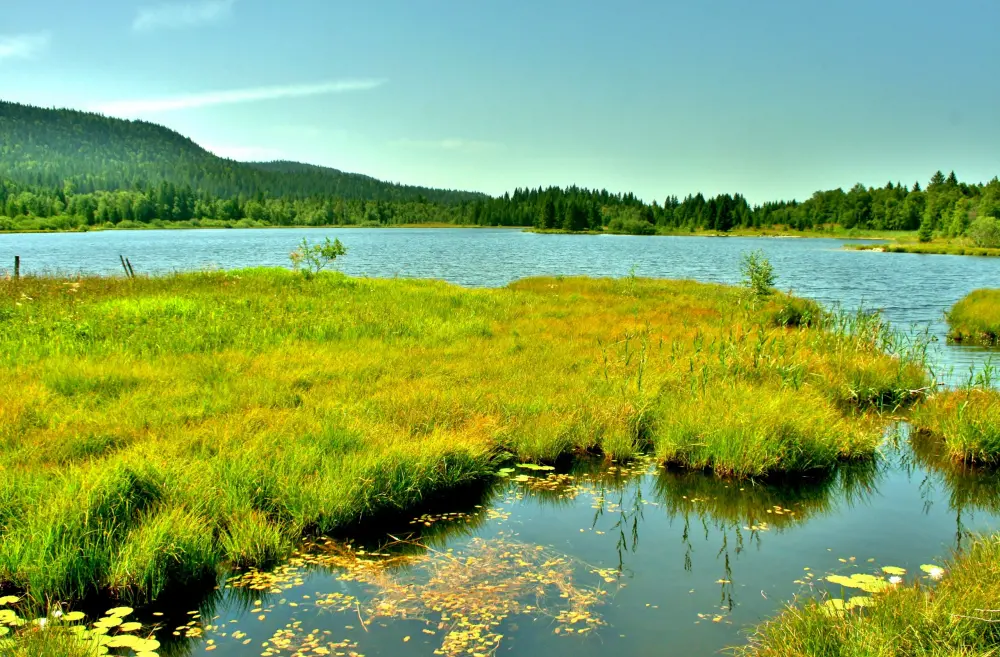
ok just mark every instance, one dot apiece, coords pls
pixel 913 290
pixel 633 560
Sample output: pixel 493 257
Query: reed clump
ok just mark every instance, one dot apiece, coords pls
pixel 153 430
pixel 966 421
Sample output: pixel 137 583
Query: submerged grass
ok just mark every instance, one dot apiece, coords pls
pixel 155 429
pixel 958 616
pixel 976 318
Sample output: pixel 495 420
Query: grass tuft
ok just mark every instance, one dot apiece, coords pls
pixel 958 616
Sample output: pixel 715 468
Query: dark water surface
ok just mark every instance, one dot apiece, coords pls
pixel 596 561
pixel 912 290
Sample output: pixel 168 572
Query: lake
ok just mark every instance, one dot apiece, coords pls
pixel 913 290
pixel 592 559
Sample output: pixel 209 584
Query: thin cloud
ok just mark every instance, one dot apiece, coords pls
pixel 23 46
pixel 176 15
pixel 452 144
pixel 210 98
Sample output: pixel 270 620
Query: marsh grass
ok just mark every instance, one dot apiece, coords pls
pixel 155 429
pixel 976 318
pixel 966 421
pixel 957 616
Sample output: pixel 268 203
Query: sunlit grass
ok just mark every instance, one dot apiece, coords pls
pixel 153 430
pixel 966 421
pixel 957 616
pixel 976 318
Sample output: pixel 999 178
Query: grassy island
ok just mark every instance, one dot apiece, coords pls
pixel 155 429
pixel 976 318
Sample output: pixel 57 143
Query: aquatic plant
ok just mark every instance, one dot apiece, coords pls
pixel 956 616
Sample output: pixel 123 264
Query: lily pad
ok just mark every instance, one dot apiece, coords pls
pixel 8 600
pixel 73 616
pixel 893 570
pixel 534 466
pixel 120 612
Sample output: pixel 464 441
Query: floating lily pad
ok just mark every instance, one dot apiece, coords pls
pixel 860 601
pixel 129 627
pixel 504 472
pixel 534 466
pixel 120 612
pixel 893 570
pixel 73 616
pixel 8 600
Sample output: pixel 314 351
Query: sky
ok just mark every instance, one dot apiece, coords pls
pixel 773 99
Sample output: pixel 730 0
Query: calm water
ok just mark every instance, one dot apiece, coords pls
pixel 646 561
pixel 912 290
pixel 686 563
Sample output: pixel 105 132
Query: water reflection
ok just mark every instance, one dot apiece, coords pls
pixel 611 556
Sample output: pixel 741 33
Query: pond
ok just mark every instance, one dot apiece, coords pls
pixel 633 559
pixel 913 290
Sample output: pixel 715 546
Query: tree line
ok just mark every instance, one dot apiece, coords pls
pixel 946 207
pixel 63 169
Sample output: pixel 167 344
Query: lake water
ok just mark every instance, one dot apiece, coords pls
pixel 633 561
pixel 913 290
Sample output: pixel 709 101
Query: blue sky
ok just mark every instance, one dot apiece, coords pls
pixel 771 98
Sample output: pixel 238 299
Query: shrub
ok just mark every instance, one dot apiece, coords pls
pixel 758 274
pixel 316 257
pixel 985 232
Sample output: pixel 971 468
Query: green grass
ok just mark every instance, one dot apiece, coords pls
pixel 958 616
pixel 967 422
pixel 976 318
pixel 937 246
pixel 155 430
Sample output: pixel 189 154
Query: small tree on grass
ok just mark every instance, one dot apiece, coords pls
pixel 926 232
pixel 758 274
pixel 314 258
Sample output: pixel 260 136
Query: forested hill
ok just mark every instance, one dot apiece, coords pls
pixel 69 170
pixel 48 148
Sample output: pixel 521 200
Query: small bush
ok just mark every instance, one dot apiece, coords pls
pixel 985 232
pixel 317 257
pixel 758 274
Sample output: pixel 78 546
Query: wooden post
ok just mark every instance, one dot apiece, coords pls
pixel 124 266
pixel 17 267
pixel 130 270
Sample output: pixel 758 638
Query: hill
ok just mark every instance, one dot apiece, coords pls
pixel 47 148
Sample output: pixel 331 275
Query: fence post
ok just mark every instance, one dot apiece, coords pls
pixel 17 267
pixel 122 258
pixel 130 270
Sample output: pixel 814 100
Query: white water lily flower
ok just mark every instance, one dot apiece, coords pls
pixel 57 613
pixel 936 573
pixel 42 621
pixel 895 579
